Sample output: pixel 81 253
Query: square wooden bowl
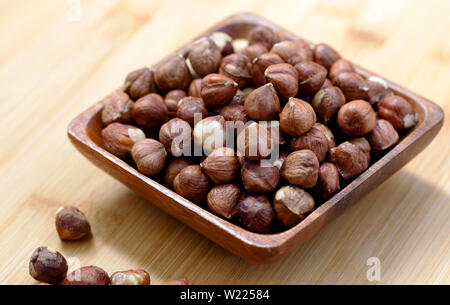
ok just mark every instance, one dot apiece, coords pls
pixel 84 132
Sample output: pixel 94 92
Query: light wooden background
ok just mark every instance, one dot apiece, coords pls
pixel 52 68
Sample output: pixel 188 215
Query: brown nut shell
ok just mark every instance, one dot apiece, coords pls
pixel 352 85
pixel 192 183
pixel 259 66
pixel 383 136
pixel 173 168
pixel 234 113
pixel 140 83
pixel 118 138
pixel 311 77
pixel 339 66
pixel 189 106
pixel 263 35
pixel 327 102
pixel 260 177
pixel 292 204
pixel 351 158
pixel 237 67
pixel 176 136
pixel 356 118
pixel 195 88
pixel 398 112
pixel 284 78
pixel 325 55
pixel 328 181
pixel 314 140
pixel 256 214
pixel 149 156
pixel 301 168
pixel 89 275
pixel 254 50
pixel 71 223
pixel 224 200
pixel 150 111
pixel 205 56
pixel 297 117
pixel 47 265
pixel 292 52
pixel 218 90
pixel 378 89
pixel 172 73
pixel 117 108
pixel 222 165
pixel 263 103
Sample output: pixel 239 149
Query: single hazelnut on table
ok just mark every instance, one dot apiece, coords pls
pixel 181 282
pixel 378 89
pixel 140 83
pixel 192 183
pixel 254 142
pixel 339 66
pixel 210 133
pixel 172 98
pixel 118 138
pixel 292 52
pixel 352 84
pixel 218 90
pixel 205 56
pixel 263 103
pixel 301 168
pixel 351 158
pixel 176 136
pixel 383 136
pixel 254 50
pixel 149 156
pixel 328 181
pixel 311 77
pixel 150 111
pixel 47 265
pixel 239 45
pixel 325 55
pixel 234 113
pixel 356 118
pixel 88 275
pixel 260 177
pixel 284 78
pixel 331 143
pixel 292 204
pixel 71 223
pixel 327 102
pixel 195 88
pixel 173 168
pixel 398 111
pixel 224 200
pixel 223 41
pixel 238 98
pixel 130 277
pixel 259 66
pixel 256 214
pixel 237 67
pixel 222 165
pixel 190 106
pixel 172 73
pixel 263 35
pixel 117 108
pixel 297 117
pixel 314 140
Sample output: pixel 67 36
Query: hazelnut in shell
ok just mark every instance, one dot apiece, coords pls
pixel 398 112
pixel 297 117
pixel 260 177
pixel 149 156
pixel 210 133
pixel 351 158
pixel 311 77
pixel 325 55
pixel 254 142
pixel 301 168
pixel 192 183
pixel 222 165
pixel 328 181
pixel 383 136
pixel 292 204
pixel 263 103
pixel 263 35
pixel 150 111
pixel 71 223
pixel 339 66
pixel 117 108
pixel 352 84
pixel 47 265
pixel 171 99
pixel 217 90
pixel 237 67
pixel 118 138
pixel 224 200
pixel 327 102
pixel 189 107
pixel 284 78
pixel 256 214
pixel 173 168
pixel 205 56
pixel 314 140
pixel 259 66
pixel 172 73
pixel 292 52
pixel 356 118
pixel 140 83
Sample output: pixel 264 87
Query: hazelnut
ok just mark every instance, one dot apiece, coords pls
pixel 297 117
pixel 311 77
pixel 254 50
pixel 259 66
pixel 331 143
pixel 88 275
pixel 260 177
pixel 172 98
pixel 356 118
pixel 383 136
pixel 378 89
pixel 239 45
pixel 327 102
pixel 327 84
pixel 140 83
pixel 205 56
pixel 234 113
pixel 180 282
pixel 352 85
pixel 221 166
pixel 277 136
pixel 238 98
pixel 327 182
pixel 301 168
pixel 173 169
pixel 292 204
pixel 314 140
pixel 398 112
pixel 223 41
pixel 339 66
pixel 210 133
pixel 149 156
pixel 172 73
pixel 175 135
pixel 284 77
pixel 237 67
pixel 254 142
pixel 191 183
pixel 130 277
pixel 351 158
pixel 292 52
pixel 263 35
pixel 224 200
pixel 189 106
pixel 47 265
pixel 195 88
pixel 150 111
pixel 218 90
pixel 117 108
pixel 71 224
pixel 256 214
pixel 118 138
pixel 263 103
pixel 325 55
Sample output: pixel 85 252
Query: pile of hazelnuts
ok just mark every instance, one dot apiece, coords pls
pixel 299 102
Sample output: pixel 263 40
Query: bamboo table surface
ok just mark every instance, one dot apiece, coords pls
pixel 58 58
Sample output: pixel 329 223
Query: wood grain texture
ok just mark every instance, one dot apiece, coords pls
pixel 52 69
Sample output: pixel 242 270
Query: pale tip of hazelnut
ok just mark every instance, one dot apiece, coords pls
pixel 136 134
pixel 278 163
pixel 239 44
pixel 378 80
pixel 59 210
pixel 255 60
pixel 410 120
pixel 191 70
pixel 280 194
